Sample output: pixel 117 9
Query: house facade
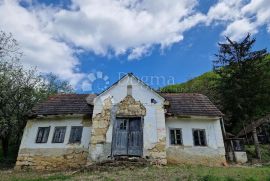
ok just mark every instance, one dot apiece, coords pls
pixel 128 119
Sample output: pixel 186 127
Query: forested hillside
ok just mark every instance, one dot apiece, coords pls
pixel 205 84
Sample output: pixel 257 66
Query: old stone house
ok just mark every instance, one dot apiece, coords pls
pixel 128 119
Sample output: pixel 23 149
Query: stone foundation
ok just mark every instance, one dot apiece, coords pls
pixel 157 154
pixel 196 155
pixel 51 159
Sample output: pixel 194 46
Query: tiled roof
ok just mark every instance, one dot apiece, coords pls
pixel 190 104
pixel 180 104
pixel 65 104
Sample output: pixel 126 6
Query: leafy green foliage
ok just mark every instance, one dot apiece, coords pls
pixel 205 84
pixel 20 90
pixel 265 152
pixel 239 86
pixel 244 85
pixel 55 85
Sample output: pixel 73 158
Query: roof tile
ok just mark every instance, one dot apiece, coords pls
pixel 182 104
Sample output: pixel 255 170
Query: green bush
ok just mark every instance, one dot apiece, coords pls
pixel 265 151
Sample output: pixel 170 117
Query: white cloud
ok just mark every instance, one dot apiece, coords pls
pixel 40 49
pixel 50 35
pixel 224 10
pixel 240 16
pixel 239 29
pixel 122 26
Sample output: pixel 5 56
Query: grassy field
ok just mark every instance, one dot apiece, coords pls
pixel 176 173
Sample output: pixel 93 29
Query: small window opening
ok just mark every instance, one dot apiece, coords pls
pixel 176 136
pixel 199 137
pixel 75 134
pixel 123 125
pixel 43 134
pixel 59 135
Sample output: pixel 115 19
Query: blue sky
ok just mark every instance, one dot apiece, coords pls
pixel 181 48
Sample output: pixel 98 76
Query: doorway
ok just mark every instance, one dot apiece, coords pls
pixel 127 137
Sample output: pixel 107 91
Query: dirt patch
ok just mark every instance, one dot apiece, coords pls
pixel 117 164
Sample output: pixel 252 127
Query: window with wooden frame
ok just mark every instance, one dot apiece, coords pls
pixel 42 134
pixel 75 134
pixel 176 136
pixel 59 134
pixel 123 124
pixel 199 137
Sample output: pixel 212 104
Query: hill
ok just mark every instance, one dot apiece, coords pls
pixel 204 84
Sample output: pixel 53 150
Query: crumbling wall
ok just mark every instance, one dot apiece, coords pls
pixel 129 107
pixel 196 155
pixel 54 156
pixel 51 158
pixel 100 125
pixel 157 154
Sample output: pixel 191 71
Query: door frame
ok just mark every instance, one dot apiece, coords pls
pixel 114 134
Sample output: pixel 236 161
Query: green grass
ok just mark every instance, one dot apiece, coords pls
pixel 171 172
pixel 265 151
pixel 53 177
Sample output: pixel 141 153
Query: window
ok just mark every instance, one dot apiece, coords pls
pixel 176 136
pixel 199 137
pixel 75 134
pixel 123 124
pixel 43 134
pixel 59 135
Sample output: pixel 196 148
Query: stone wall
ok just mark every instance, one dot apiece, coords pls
pixel 196 155
pixel 129 107
pixel 101 123
pixel 51 159
pixel 157 154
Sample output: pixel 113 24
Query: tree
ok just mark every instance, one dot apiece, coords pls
pixel 55 85
pixel 20 90
pixel 244 82
pixel 204 84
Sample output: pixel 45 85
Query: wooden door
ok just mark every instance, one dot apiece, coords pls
pixel 127 137
pixel 135 138
pixel 120 137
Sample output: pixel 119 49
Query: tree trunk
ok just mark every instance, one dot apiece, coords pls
pixel 5 144
pixel 256 141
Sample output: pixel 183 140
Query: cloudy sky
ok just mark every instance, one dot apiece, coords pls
pixel 92 42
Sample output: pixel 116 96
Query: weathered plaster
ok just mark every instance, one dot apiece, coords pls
pixel 101 122
pixel 196 155
pixel 97 134
pixel 212 154
pixel 51 158
pixel 46 156
pixel 240 156
pixel 157 154
pixel 137 105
